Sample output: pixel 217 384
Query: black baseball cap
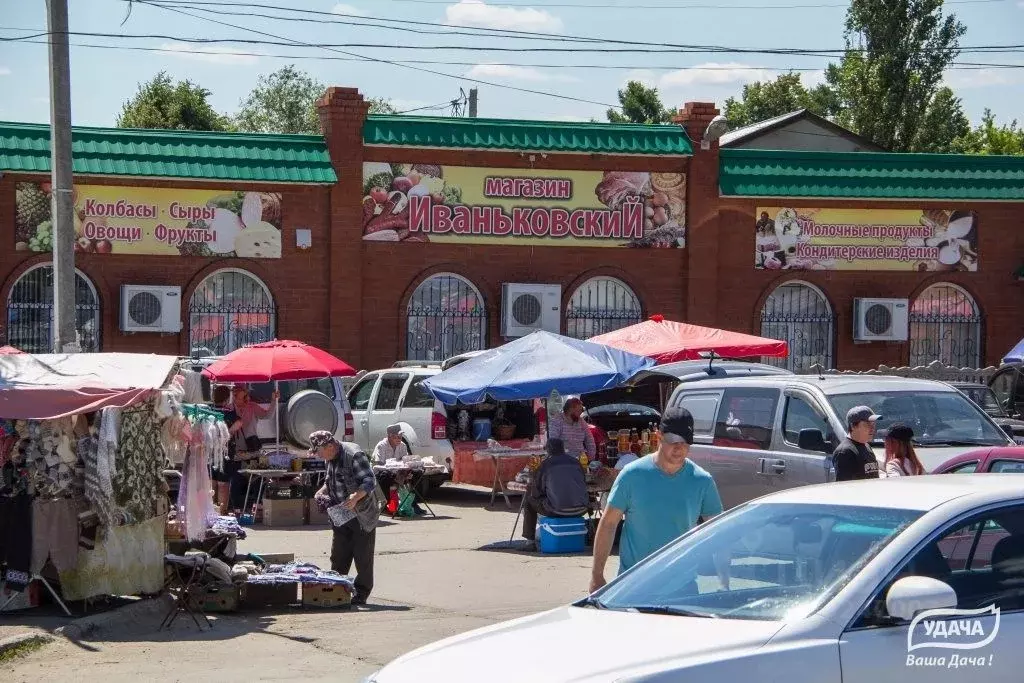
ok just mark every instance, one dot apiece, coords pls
pixel 676 426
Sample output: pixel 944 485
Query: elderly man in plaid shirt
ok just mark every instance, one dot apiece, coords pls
pixel 351 484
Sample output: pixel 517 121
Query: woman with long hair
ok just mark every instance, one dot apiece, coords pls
pixel 900 458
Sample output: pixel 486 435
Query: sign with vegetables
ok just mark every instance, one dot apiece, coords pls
pixel 155 221
pixel 865 239
pixel 457 204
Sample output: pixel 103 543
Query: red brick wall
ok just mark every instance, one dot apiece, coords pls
pixel 1001 298
pixel 298 281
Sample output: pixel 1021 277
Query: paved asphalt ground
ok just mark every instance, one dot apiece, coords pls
pixel 434 578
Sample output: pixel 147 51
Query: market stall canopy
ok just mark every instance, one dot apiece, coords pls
pixel 533 366
pixel 1016 354
pixel 9 351
pixel 49 386
pixel 280 360
pixel 667 341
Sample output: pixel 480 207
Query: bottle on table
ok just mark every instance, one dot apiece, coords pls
pixel 634 442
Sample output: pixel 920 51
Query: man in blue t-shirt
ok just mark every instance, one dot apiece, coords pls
pixel 661 497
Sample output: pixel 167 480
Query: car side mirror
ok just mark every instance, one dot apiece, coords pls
pixel 812 440
pixel 914 594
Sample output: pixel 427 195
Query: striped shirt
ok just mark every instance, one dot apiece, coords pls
pixel 576 436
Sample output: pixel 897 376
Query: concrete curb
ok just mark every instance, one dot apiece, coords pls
pixel 140 613
pixel 20 639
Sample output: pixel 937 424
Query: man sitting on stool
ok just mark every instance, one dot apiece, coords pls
pixel 558 489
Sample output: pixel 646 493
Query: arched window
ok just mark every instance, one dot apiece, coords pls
pixel 446 316
pixel 229 309
pixel 599 305
pixel 801 315
pixel 30 311
pixel 945 325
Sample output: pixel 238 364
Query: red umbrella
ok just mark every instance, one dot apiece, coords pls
pixel 9 351
pixel 277 360
pixel 667 341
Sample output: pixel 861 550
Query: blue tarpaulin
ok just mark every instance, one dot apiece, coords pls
pixel 533 366
pixel 1016 354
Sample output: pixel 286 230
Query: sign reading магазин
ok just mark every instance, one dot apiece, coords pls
pixel 865 239
pixel 111 219
pixel 456 204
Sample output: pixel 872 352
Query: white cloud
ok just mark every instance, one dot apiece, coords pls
pixel 509 72
pixel 982 78
pixel 342 8
pixel 210 53
pixel 712 73
pixel 479 14
pixel 4 71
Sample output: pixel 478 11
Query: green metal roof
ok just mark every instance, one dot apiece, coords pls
pixel 869 175
pixel 540 136
pixel 192 155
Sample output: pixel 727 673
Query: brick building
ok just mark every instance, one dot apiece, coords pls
pixel 394 237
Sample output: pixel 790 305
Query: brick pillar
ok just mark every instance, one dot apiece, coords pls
pixel 702 235
pixel 342 114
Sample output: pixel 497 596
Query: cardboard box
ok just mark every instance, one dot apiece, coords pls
pixel 217 598
pixel 26 599
pixel 287 512
pixel 270 594
pixel 325 596
pixel 314 517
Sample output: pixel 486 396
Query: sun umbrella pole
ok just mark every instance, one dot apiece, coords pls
pixel 277 420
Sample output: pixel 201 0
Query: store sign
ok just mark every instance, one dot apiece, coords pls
pixel 865 239
pixel 455 204
pixel 155 221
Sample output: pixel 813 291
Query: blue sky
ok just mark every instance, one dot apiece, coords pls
pixel 103 79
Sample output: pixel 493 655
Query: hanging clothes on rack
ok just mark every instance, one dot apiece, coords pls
pixel 207 439
pixel 139 464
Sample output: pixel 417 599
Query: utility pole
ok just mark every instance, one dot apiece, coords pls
pixel 64 329
pixel 472 103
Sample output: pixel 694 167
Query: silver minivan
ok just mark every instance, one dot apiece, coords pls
pixel 757 435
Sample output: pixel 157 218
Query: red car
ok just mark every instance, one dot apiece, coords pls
pixel 1006 460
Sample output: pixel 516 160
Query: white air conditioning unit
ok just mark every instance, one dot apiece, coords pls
pixel 149 308
pixel 527 308
pixel 880 319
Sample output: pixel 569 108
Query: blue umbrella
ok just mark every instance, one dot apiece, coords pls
pixel 1016 355
pixel 533 366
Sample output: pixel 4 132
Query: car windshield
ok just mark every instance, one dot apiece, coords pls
pixel 985 398
pixel 938 418
pixel 771 561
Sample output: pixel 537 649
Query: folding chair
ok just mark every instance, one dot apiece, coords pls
pixel 183 585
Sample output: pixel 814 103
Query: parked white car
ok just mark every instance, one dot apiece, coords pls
pixel 395 396
pixel 879 581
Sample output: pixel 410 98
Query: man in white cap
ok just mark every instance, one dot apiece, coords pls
pixel 391 447
pixel 853 458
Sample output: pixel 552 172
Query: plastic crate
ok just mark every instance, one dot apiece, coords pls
pixel 561 534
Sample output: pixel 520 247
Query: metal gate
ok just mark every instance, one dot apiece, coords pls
pixel 800 315
pixel 601 305
pixel 30 312
pixel 945 325
pixel 230 309
pixel 446 316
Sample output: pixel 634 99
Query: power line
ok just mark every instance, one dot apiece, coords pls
pixel 964 66
pixel 591 5
pixel 404 66
pixel 698 49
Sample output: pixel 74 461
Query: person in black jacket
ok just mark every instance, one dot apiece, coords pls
pixel 558 489
pixel 853 457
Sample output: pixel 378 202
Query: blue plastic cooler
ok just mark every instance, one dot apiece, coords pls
pixel 561 534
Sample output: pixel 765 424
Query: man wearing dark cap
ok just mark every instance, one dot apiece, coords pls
pixel 853 457
pixel 558 489
pixel 661 497
pixel 351 485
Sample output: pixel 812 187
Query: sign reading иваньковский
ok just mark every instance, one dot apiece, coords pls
pixel 456 204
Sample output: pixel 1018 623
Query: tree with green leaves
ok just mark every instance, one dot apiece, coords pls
pixel 285 102
pixel 768 99
pixel 990 138
pixel 640 104
pixel 889 82
pixel 162 103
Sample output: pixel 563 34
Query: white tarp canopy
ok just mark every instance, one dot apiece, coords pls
pixel 48 386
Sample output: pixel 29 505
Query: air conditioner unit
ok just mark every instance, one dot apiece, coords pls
pixel 880 319
pixel 149 308
pixel 526 308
